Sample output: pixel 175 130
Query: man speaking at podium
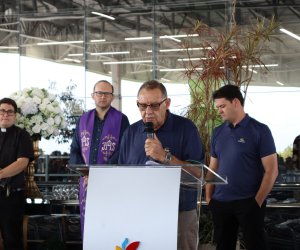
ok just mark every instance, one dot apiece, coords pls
pixel 174 140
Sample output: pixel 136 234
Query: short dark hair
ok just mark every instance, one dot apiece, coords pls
pixel 112 87
pixel 229 92
pixel 153 84
pixel 10 102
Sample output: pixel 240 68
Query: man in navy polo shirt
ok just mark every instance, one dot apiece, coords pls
pixel 242 149
pixel 176 141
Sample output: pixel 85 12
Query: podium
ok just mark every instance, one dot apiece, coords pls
pixel 127 204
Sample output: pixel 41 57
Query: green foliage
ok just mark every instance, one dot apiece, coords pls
pixel 287 152
pixel 206 116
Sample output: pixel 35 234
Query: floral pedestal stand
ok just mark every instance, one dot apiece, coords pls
pixel 31 189
pixel 40 114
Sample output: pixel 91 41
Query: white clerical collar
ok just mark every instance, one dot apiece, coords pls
pixel 3 129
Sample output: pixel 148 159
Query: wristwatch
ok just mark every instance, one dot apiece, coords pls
pixel 168 156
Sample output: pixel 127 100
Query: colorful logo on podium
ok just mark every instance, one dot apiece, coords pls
pixel 128 246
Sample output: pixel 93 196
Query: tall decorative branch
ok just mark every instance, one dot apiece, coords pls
pixel 227 58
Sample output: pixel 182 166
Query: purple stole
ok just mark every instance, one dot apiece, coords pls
pixel 109 141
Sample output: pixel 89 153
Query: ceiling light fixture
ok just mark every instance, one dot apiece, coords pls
pixel 110 53
pixel 280 83
pixel 290 33
pixel 176 50
pixel 76 54
pixel 183 36
pixel 138 38
pixel 191 59
pixel 260 66
pixel 253 71
pixel 9 30
pixel 161 37
pixel 8 47
pixel 72 60
pixel 103 15
pixel 57 43
pixel 165 79
pixel 129 62
pixel 178 69
pixel 97 40
pixel 250 68
pixel 170 70
pixel 170 37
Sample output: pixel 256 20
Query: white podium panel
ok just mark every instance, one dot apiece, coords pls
pixel 140 204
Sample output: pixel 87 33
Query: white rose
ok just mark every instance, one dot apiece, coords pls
pixel 49 108
pixel 25 91
pixel 51 97
pixel 37 92
pixel 36 129
pixel 36 99
pixel 50 121
pixel 43 107
pixel 44 126
pixel 29 107
pixel 56 132
pixel 50 130
pixel 57 119
pixel 58 110
pixel 37 119
pixel 46 101
pixel 20 100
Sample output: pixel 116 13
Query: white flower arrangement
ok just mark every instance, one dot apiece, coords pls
pixel 39 113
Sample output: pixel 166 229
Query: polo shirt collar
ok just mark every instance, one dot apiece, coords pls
pixel 242 123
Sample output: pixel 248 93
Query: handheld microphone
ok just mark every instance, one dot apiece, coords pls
pixel 149 129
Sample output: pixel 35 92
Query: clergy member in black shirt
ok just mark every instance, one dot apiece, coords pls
pixel 16 151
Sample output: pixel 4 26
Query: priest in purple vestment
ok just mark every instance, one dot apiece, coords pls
pixel 97 135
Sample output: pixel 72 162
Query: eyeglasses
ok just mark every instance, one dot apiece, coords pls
pixel 101 93
pixel 153 106
pixel 8 112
